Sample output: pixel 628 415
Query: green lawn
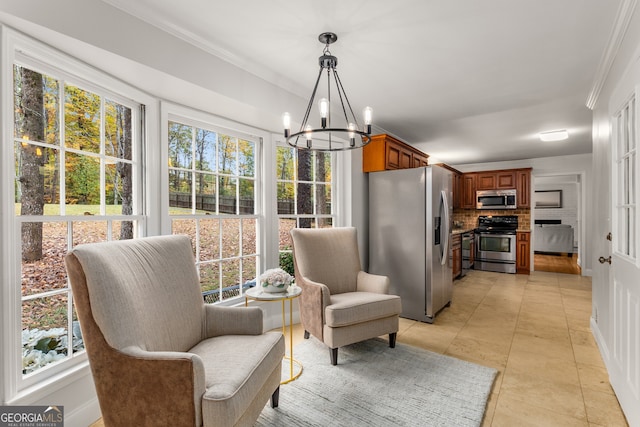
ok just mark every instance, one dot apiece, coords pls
pixel 77 209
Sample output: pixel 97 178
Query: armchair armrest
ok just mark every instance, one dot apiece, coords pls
pixel 168 356
pixel 232 320
pixel 313 300
pixel 372 283
pixel 159 381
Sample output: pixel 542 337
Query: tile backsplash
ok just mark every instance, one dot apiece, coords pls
pixel 469 217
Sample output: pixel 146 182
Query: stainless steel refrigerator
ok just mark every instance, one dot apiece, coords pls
pixel 410 235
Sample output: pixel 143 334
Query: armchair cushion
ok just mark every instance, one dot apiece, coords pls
pixel 350 308
pixel 235 367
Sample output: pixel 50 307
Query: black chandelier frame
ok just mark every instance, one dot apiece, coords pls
pixel 352 134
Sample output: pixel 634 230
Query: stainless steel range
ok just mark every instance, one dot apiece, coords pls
pixel 496 243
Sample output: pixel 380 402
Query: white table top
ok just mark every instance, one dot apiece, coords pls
pixel 258 294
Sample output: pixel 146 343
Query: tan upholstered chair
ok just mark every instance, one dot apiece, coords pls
pixel 159 355
pixel 340 304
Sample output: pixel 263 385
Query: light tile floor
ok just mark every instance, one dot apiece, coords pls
pixel 535 331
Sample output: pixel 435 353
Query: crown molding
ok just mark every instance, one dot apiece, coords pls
pixel 623 18
pixel 164 24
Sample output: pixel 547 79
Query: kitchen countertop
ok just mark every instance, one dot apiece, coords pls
pixel 466 230
pixel 461 230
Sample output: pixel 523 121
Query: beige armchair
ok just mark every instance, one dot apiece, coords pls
pixel 159 355
pixel 340 304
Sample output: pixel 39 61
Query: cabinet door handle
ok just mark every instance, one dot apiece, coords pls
pixel 603 259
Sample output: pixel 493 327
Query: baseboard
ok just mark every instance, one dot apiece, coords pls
pixel 84 415
pixel 600 341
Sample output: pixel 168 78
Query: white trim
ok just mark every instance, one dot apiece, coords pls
pixel 242 62
pixel 623 18
pixel 17 46
pixel 582 211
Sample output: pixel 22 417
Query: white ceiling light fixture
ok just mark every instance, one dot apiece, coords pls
pixel 343 125
pixel 554 135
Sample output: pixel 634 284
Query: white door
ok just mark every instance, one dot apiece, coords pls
pixel 624 288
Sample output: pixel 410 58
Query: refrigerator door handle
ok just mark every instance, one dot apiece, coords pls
pixel 444 203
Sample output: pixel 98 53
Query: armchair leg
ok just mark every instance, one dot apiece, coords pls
pixel 392 340
pixel 306 335
pixel 334 356
pixel 275 397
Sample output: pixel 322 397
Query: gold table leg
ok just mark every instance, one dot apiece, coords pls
pixel 292 361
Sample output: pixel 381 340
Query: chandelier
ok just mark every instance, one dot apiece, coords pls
pixel 339 131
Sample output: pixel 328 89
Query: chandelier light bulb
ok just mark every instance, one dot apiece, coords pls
pixel 286 122
pixel 352 134
pixel 323 104
pixel 367 114
pixel 308 131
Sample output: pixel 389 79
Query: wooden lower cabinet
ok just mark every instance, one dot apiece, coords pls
pixel 523 252
pixel 456 255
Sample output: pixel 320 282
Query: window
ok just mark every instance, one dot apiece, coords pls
pixel 212 199
pixel 625 170
pixel 304 196
pixel 76 158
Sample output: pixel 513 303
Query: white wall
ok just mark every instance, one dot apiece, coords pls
pixel 602 318
pixel 568 213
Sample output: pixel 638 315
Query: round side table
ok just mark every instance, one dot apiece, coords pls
pixel 257 294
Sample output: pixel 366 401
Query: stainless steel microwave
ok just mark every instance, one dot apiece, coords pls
pixel 496 199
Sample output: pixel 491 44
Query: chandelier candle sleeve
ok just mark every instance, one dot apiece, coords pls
pixel 339 128
pixel 324 111
pixel 286 121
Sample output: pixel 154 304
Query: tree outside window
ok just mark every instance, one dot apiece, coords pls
pixel 74 184
pixel 212 199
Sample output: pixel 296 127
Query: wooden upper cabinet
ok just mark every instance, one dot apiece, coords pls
pixel 468 191
pixel 523 186
pixel 385 152
pixel 499 180
pixel 420 160
pixel 506 179
pixel 457 190
pixel 486 181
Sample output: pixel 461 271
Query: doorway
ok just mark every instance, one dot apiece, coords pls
pixel 556 217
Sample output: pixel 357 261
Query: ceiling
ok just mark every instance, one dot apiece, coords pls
pixel 465 81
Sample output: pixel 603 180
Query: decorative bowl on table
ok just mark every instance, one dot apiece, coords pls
pixel 275 280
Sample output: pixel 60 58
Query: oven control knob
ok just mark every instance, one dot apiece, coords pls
pixel 603 260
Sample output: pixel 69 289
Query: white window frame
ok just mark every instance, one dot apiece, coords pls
pixel 198 119
pixel 18 48
pixel 625 125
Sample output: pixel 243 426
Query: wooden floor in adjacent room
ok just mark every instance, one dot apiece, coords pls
pixel 556 263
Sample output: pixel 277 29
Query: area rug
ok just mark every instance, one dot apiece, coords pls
pixel 374 385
